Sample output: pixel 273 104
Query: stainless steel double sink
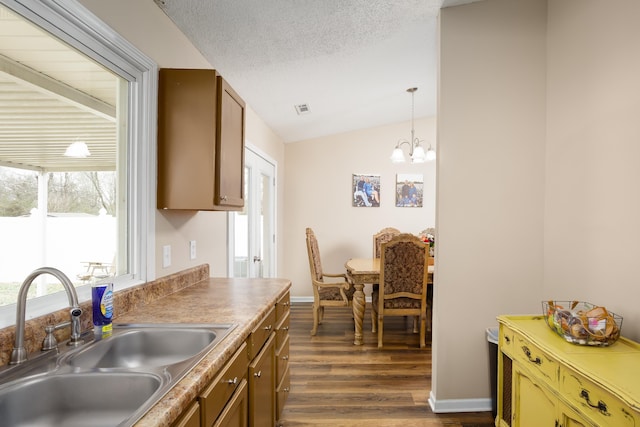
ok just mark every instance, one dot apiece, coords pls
pixel 111 381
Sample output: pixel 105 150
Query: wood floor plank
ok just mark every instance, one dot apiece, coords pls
pixel 335 383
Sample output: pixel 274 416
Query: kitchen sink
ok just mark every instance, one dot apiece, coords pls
pixel 110 381
pixel 145 347
pixel 74 399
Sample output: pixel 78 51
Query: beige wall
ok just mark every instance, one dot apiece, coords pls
pixel 592 204
pixel 491 133
pixel 318 195
pixel 550 89
pixel 145 26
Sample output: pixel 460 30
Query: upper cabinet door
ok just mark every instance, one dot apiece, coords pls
pixel 229 147
pixel 200 151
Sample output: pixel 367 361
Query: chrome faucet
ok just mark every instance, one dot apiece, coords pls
pixel 19 354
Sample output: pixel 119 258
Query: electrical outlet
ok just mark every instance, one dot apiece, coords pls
pixel 192 249
pixel 166 256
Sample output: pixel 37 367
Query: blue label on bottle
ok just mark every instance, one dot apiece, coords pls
pixel 102 302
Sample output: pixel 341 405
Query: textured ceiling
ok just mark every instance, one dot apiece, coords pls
pixel 350 61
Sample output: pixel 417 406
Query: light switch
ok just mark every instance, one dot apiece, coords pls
pixel 192 249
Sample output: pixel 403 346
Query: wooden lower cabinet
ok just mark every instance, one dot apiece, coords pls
pixel 224 400
pixel 262 386
pixel 190 417
pixel 545 381
pixel 283 382
pixel 252 387
pixel 236 412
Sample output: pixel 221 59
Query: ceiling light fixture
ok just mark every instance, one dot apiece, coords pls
pixel 416 151
pixel 77 149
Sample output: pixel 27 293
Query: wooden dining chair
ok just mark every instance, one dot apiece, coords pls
pixel 404 278
pixel 382 236
pixel 334 292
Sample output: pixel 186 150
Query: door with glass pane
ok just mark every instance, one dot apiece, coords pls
pixel 252 230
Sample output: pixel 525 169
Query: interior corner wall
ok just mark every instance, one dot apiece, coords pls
pixel 592 199
pixel 490 187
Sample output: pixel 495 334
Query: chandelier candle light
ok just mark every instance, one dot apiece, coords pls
pixel 416 151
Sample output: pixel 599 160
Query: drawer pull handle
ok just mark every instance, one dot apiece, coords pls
pixel 268 328
pixel 234 381
pixel 286 389
pixel 527 353
pixel 285 357
pixel 601 406
pixel 507 339
pixel 258 374
pixel 286 328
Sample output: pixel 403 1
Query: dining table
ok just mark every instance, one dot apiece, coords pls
pixel 362 271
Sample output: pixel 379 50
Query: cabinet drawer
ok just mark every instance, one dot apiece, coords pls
pixel 534 359
pixel 282 359
pixel 506 340
pixel 216 395
pixel 282 330
pixel 282 306
pixel 261 333
pixel 594 402
pixel 282 392
pixel 190 417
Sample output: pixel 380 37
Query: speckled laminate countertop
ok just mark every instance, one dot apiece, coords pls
pixel 240 301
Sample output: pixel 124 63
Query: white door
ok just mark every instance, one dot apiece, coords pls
pixel 252 230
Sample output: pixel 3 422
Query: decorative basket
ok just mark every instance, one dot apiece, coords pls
pixel 582 323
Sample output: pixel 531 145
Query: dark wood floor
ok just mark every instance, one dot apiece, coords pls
pixel 334 383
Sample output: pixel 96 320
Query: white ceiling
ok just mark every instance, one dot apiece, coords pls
pixel 350 61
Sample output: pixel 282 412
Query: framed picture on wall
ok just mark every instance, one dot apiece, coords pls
pixel 409 190
pixel 365 190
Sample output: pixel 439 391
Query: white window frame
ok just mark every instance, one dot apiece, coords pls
pixel 77 26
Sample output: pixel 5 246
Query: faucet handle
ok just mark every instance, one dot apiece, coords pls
pixel 50 342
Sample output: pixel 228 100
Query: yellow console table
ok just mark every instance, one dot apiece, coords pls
pixel 545 381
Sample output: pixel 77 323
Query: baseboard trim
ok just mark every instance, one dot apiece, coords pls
pixel 458 405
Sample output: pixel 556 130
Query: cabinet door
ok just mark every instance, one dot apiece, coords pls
pixel 533 405
pixel 186 139
pixel 235 413
pixel 229 147
pixel 262 387
pixel 570 418
pixel 190 417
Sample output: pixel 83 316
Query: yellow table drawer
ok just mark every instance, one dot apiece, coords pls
pixel 596 403
pixel 535 360
pixel 506 340
pixel 216 395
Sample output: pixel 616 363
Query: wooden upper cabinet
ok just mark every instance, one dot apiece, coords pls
pixel 201 124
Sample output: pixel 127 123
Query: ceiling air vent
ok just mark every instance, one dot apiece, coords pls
pixel 302 109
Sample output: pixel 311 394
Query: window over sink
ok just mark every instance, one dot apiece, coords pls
pixel 68 80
